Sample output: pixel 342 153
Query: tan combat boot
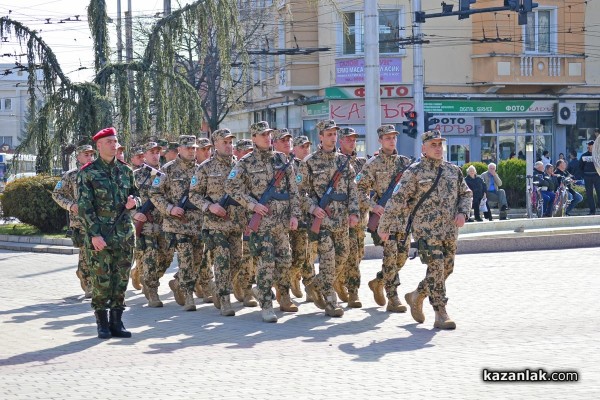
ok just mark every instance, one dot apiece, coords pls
pixel 135 278
pixel 189 302
pixel 268 315
pixel 442 320
pixel 238 290
pixel 415 302
pixel 395 305
pixel 207 291
pixel 376 286
pixel 249 299
pixel 296 291
pixel 153 299
pixel 315 295
pixel 340 289
pixel 332 308
pixel 177 293
pixel 286 304
pixel 226 309
pixel 353 301
pixel 198 290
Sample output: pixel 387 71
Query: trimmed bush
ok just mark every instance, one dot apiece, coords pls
pixel 512 173
pixel 30 201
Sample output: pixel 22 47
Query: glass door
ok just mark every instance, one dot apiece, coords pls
pixel 459 150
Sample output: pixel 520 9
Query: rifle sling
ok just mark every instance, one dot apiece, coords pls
pixel 420 202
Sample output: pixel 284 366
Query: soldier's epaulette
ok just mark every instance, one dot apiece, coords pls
pixel 84 166
pixel 245 156
pixel 308 157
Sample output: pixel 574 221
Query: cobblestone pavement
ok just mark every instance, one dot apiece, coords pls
pixel 513 311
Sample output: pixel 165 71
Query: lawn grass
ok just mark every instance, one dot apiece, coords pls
pixel 27 230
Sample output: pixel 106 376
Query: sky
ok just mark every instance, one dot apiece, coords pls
pixel 70 41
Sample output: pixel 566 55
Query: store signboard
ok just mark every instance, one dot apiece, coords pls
pixel 352 71
pixel 316 110
pixel 358 92
pixel 353 111
pixel 490 107
pixel 451 125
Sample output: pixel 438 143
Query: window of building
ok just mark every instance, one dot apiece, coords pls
pixel 6 140
pixel 540 33
pixel 6 104
pixel 391 27
pixel 505 136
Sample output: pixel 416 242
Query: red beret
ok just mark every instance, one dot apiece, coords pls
pixel 105 133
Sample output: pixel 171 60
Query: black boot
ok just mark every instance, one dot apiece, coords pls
pixel 102 324
pixel 488 215
pixel 116 325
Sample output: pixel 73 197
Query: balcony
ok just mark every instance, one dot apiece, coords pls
pixel 529 69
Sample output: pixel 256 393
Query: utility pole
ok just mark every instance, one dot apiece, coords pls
pixel 418 78
pixel 119 34
pixel 372 99
pixel 129 58
pixel 167 7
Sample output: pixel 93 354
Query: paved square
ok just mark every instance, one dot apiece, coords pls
pixel 513 311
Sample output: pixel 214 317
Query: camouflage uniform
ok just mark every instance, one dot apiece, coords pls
pixel 156 252
pixel 246 183
pixel 65 195
pixel 433 226
pixel 182 233
pixel 103 191
pixel 350 274
pixel 136 271
pixel 316 171
pixel 376 177
pixel 222 236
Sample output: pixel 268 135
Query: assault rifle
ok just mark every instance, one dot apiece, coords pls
pixel 385 197
pixel 270 193
pixel 330 196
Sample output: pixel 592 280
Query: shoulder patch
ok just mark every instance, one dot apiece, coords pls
pixel 156 181
pixel 59 185
pixel 84 166
pixel 232 174
pixel 298 178
pixel 194 181
pixel 357 179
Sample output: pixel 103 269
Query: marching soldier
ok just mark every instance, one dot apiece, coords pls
pixel 251 178
pixel 156 254
pixel 181 222
pixel 107 189
pixel 439 200
pixel 65 195
pixel 245 276
pixel 376 177
pixel 349 277
pixel 303 251
pixel 317 177
pixel 170 152
pixel 222 230
pixel 137 156
pixel 137 160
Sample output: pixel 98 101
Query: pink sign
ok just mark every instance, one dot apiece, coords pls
pixel 353 111
pixel 349 72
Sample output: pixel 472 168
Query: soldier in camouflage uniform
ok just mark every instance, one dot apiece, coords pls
pixel 349 278
pixel 107 190
pixel 435 225
pixel 120 152
pixel 376 177
pixel 222 230
pixel 245 276
pixel 248 180
pixel 206 276
pixel 303 255
pixel 156 254
pixel 65 195
pixel 137 160
pixel 316 171
pixel 282 142
pixel 171 152
pixel 181 222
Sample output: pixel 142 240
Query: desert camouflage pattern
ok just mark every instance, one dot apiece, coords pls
pixel 226 250
pixel 144 179
pixel 103 191
pixel 167 190
pixel 247 181
pixel 434 221
pixel 207 186
pixel 314 175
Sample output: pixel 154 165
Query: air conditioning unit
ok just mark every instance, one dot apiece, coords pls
pixel 566 113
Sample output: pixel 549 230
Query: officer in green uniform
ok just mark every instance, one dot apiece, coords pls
pixel 107 190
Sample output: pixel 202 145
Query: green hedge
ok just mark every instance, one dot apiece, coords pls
pixel 481 167
pixel 30 201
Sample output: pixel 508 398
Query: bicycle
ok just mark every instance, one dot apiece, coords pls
pixel 535 208
pixel 561 200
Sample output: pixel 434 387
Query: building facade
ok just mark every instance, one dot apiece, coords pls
pixel 492 85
